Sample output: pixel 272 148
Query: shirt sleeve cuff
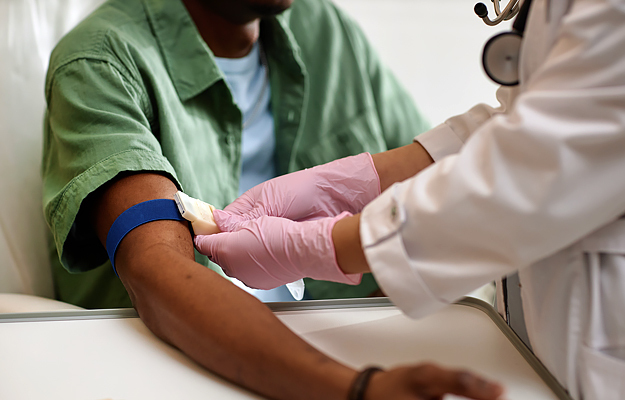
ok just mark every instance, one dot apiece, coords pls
pixel 396 278
pixel 80 250
pixel 380 226
pixel 440 142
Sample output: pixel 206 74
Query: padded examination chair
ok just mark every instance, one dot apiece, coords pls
pixel 29 29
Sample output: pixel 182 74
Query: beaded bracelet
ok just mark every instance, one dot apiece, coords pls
pixel 359 386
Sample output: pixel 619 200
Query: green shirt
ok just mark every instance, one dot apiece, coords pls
pixel 135 88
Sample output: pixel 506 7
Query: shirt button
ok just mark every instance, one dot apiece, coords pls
pixel 290 116
pixel 229 139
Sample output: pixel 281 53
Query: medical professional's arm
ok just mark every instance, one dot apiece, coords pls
pixel 399 164
pixel 346 184
pixel 392 166
pixel 322 191
pixel 229 331
pixel 348 247
pixel 526 185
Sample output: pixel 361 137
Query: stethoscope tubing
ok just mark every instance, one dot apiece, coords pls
pixel 508 12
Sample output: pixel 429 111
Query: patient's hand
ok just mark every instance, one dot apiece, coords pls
pixel 429 382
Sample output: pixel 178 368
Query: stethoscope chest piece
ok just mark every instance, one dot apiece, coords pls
pixel 501 58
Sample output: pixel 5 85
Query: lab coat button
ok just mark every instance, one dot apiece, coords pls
pixel 394 213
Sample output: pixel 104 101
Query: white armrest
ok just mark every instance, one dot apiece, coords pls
pixel 23 303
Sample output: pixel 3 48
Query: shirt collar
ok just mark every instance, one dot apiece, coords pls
pixel 191 64
pixel 280 44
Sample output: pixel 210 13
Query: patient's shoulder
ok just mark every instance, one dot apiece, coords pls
pixel 108 34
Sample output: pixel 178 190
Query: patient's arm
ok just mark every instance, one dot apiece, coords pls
pixel 229 331
pixel 217 324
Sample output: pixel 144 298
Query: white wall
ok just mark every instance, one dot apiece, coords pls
pixel 434 47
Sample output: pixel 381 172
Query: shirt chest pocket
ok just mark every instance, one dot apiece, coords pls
pixel 358 134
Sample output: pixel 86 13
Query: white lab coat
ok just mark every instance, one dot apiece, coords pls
pixel 535 186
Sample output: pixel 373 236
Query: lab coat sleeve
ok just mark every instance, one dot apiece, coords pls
pixel 449 137
pixel 523 186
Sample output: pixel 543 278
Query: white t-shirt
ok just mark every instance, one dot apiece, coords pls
pixel 249 85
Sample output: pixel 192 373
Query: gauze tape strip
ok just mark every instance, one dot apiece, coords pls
pixel 137 215
pixel 197 212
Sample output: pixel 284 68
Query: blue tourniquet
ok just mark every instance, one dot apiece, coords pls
pixel 148 211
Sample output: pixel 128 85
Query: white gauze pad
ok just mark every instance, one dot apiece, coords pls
pixel 199 213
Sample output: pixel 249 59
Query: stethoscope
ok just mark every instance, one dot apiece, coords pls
pixel 501 54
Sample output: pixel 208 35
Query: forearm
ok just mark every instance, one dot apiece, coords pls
pixel 229 331
pixel 215 323
pixel 347 246
pixel 400 164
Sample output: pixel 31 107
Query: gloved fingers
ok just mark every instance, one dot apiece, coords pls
pixel 247 256
pixel 251 204
pixel 242 205
pixel 209 245
pixel 215 248
pixel 227 221
pixel 247 207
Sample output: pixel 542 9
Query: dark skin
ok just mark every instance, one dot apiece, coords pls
pixel 230 28
pixel 220 326
pixel 189 306
pixel 230 332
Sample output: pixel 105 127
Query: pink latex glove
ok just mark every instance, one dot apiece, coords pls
pixel 347 184
pixel 268 252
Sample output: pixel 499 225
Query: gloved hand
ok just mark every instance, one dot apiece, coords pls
pixel 347 184
pixel 268 252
